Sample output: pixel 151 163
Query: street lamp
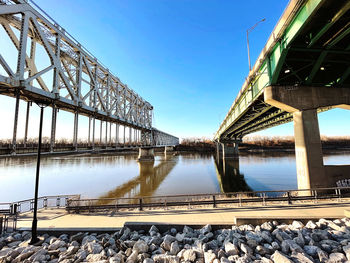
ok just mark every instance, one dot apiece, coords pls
pixel 35 238
pixel 249 30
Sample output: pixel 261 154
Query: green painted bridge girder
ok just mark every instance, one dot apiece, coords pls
pixel 308 35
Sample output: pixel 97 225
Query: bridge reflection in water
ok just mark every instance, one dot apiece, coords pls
pixel 149 179
pixel 229 177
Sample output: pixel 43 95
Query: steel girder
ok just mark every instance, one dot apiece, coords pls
pixel 310 45
pixel 74 79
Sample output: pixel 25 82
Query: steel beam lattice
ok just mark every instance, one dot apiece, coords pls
pixel 74 79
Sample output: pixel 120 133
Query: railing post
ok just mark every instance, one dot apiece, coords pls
pixel 339 195
pixel 45 202
pixel 58 201
pixel 240 200
pixel 165 206
pixel 289 198
pixel 140 204
pixel 214 202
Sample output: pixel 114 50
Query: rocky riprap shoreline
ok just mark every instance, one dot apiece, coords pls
pixel 321 241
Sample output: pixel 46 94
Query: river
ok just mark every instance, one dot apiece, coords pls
pixel 105 175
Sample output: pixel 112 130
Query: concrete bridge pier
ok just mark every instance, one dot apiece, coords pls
pixel 229 149
pixel 146 154
pixel 168 149
pixel 303 102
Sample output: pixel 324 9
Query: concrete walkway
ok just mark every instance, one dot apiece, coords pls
pixel 59 218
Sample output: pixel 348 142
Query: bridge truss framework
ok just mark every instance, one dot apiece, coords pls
pixel 52 68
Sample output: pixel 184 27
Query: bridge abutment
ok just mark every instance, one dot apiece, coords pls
pixel 303 102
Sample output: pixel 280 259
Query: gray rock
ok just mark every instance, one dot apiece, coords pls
pixel 266 236
pixel 168 239
pixel 231 249
pixel 322 256
pixel 346 249
pixel 206 229
pixel 268 226
pixel 278 257
pixel 336 258
pixel 275 245
pixel 224 260
pixel 311 250
pixel 246 249
pixel 153 229
pixel 117 258
pixel 180 237
pixel 298 257
pixel 148 260
pixel 165 259
pixel 140 246
pixel 209 257
pixel 189 255
pixel 77 237
pixel 297 224
pixel 133 257
pixel 94 257
pixel 174 248
pixel 94 248
pixel 81 255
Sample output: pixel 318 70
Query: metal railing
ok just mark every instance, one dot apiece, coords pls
pixel 43 202
pixel 240 199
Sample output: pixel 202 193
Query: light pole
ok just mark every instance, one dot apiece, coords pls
pixel 35 220
pixel 249 30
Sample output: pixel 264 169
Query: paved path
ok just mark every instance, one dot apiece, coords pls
pixel 59 218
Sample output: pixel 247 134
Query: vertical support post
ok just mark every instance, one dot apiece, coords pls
pixel 29 103
pixel 15 124
pixel 124 136
pixel 106 137
pixel 101 132
pixel 89 131
pixel 93 133
pixel 110 133
pixel 75 137
pixel 116 134
pixel 130 135
pixel 308 150
pixel 53 127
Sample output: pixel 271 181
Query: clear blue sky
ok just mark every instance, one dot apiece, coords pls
pixel 188 58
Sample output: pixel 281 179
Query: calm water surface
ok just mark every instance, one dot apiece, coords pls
pixel 122 176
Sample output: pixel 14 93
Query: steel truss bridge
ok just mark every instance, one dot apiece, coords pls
pixel 72 80
pixel 310 46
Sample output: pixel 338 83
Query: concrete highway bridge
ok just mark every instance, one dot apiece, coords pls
pixel 303 69
pixel 71 80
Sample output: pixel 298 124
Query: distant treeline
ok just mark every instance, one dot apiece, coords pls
pixel 288 141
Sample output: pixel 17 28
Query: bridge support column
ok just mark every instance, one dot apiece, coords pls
pixel 168 149
pixel 29 104
pixel 229 149
pixel 303 102
pixel 124 136
pixel 146 154
pixel 15 124
pixel 89 131
pixel 308 150
pixel 75 131
pixel 116 135
pixel 53 127
pixel 93 133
